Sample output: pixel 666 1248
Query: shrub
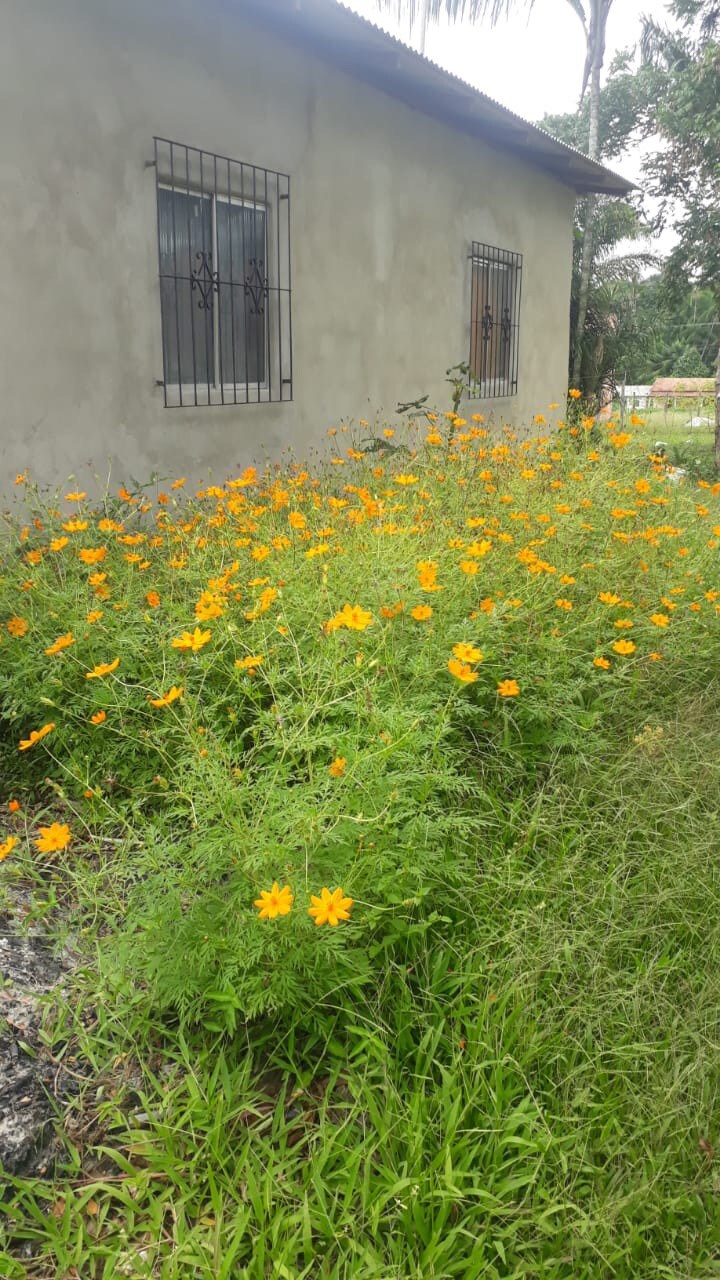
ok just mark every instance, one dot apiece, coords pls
pixel 339 679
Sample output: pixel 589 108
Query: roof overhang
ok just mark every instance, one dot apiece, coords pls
pixel 336 34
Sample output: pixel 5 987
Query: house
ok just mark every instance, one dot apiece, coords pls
pixel 226 224
pixel 682 390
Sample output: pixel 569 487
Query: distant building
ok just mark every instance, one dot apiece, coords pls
pixel 682 388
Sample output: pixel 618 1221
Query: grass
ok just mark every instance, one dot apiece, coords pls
pixel 506 1063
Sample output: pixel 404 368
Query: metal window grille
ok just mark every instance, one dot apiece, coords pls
pixel 225 278
pixel 494 322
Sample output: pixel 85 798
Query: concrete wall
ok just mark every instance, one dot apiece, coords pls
pixel 385 203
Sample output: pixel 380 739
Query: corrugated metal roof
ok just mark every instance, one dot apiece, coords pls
pixel 337 34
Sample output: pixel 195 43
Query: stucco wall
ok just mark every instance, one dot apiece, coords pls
pixel 385 203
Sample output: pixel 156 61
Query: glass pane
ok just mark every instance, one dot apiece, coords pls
pixel 186 290
pixel 243 299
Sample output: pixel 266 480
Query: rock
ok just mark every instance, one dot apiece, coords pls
pixel 32 1082
pixel 700 422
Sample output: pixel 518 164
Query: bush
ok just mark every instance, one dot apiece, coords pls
pixel 345 679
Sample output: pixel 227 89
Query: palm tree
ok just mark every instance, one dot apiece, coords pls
pixel 593 14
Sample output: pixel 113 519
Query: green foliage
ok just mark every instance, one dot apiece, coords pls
pixel 505 1062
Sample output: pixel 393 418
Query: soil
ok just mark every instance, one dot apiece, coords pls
pixel 34 1083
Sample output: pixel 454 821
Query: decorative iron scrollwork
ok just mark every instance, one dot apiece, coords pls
pixel 506 325
pixel 487 323
pixel 256 286
pixel 204 279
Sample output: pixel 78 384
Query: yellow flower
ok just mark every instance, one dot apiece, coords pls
pixel 58 544
pixel 564 604
pixel 421 612
pixel 330 908
pixel 508 688
pixel 467 652
pixel 609 597
pixel 461 671
pixel 406 479
pixel 602 663
pixel 168 697
pixel 574 394
pixel 249 663
pixel 338 766
pixel 192 640
pixel 62 642
pixel 17 626
pixel 35 736
pixel 274 902
pixel 659 619
pixel 469 566
pixel 102 669
pixel 352 617
pixel 624 646
pixel 94 615
pixel 620 439
pixel 52 838
pixel 99 717
pixel 7 846
pixel 92 555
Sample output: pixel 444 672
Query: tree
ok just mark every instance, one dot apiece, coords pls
pixel 685 172
pixel 593 14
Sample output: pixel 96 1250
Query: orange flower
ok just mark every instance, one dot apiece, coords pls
pixel 574 394
pixel 94 615
pixel 602 663
pixel 191 640
pixel 62 642
pixel 338 767
pixel 53 838
pixel 274 902
pixel 58 544
pixel 92 555
pixel 99 717
pixel 7 846
pixel 13 805
pixel 564 604
pixel 659 619
pixel 171 695
pixel 330 908
pixel 421 612
pixel 470 566
pixel 17 626
pixel 153 599
pixel 35 736
pixel 102 669
pixel 624 647
pixel 508 688
pixel 461 671
pixel 609 597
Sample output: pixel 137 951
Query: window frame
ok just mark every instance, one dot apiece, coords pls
pixel 262 190
pixel 221 385
pixel 486 261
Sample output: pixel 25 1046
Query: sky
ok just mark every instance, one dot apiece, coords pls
pixel 532 64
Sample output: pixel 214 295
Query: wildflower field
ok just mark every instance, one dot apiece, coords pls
pixel 380 801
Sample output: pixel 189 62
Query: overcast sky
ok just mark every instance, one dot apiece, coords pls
pixel 532 65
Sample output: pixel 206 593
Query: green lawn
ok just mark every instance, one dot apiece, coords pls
pixel 506 1063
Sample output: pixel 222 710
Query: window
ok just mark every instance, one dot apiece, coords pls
pixel 224 267
pixel 494 321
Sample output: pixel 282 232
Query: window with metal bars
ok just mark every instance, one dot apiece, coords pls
pixel 496 281
pixel 225 278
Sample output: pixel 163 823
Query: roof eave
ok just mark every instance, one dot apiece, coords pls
pixel 337 34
